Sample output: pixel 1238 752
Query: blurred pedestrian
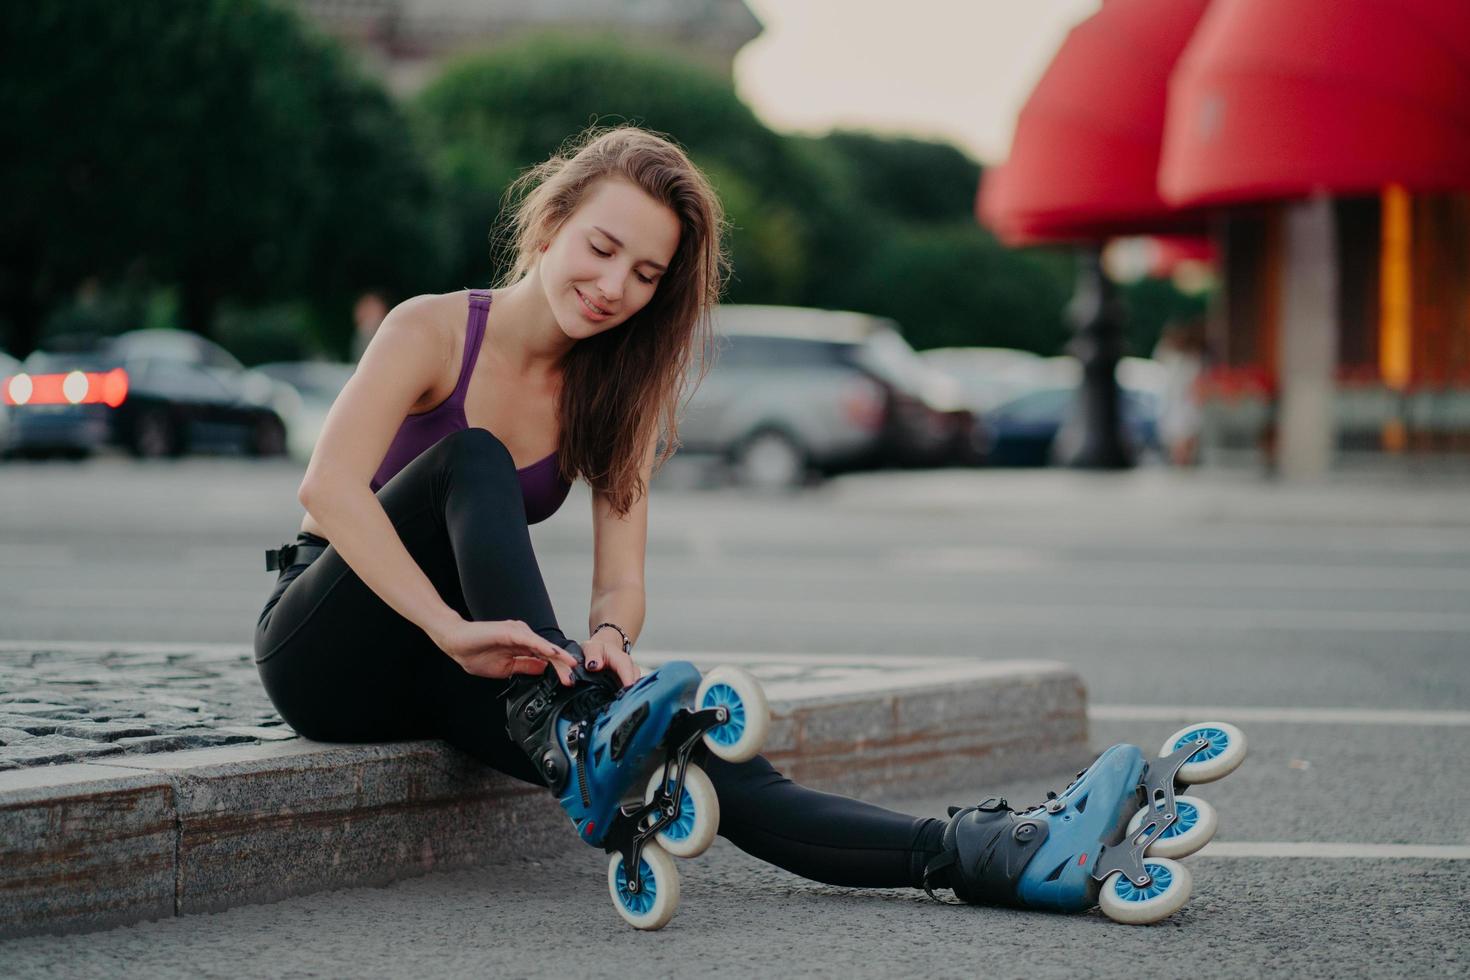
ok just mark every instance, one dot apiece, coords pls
pixel 367 315
pixel 1181 351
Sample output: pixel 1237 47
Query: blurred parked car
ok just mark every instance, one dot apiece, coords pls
pixel 927 423
pixel 9 366
pixel 796 390
pixel 317 384
pixel 1024 430
pixel 153 392
pixel 986 376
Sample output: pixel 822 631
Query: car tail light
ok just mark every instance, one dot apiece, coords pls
pixel 862 405
pixel 108 388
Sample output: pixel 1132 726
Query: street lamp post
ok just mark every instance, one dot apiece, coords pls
pixel 1096 314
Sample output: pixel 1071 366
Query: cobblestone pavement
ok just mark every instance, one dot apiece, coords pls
pixel 72 702
pixel 61 703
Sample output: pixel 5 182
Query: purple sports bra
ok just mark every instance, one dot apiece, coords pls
pixel 542 487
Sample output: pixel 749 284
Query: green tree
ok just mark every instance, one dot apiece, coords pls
pixel 216 145
pixel 904 178
pixel 491 115
pixel 954 285
pixel 1151 304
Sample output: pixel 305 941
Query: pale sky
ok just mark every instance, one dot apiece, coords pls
pixel 952 69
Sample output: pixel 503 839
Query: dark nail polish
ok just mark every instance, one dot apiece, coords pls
pixel 592 665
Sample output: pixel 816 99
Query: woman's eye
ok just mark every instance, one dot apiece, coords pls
pixel 641 277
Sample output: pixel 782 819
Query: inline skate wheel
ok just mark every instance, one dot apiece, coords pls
pixel 698 816
pixel 1194 829
pixel 653 905
pixel 740 738
pixel 1217 760
pixel 1123 901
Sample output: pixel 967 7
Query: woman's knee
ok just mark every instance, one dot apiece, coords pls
pixel 475 447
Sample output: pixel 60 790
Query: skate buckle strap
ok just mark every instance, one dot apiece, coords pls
pixel 288 555
pixel 986 847
pixel 937 864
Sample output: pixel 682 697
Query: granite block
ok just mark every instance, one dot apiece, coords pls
pixel 84 847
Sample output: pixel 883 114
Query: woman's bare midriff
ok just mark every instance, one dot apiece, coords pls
pixel 495 398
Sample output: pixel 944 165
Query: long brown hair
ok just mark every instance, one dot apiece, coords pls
pixel 623 385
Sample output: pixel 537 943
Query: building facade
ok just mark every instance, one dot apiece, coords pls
pixel 405 42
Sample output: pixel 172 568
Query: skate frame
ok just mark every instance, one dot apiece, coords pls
pixel 628 835
pixel 1127 855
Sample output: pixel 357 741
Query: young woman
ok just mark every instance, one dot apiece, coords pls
pixel 412 600
pixel 413 595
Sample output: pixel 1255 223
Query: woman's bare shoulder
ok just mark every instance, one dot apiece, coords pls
pixel 443 314
pixel 435 308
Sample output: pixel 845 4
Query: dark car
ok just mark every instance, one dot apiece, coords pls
pixel 1024 430
pixel 927 422
pixel 153 392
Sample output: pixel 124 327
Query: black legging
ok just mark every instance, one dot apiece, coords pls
pixel 340 665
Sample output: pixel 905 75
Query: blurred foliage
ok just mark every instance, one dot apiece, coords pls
pixel 954 285
pixel 925 262
pixel 93 312
pixel 278 332
pixel 218 166
pixel 1152 304
pixel 903 178
pixel 489 116
pixel 218 145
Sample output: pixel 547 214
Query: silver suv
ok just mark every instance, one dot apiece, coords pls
pixel 796 390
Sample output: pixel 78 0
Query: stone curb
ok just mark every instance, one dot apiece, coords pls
pixel 87 846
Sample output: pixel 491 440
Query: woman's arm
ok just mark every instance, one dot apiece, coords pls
pixel 403 362
pixel 619 547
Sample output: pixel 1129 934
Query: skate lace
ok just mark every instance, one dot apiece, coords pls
pixel 587 702
pixel 1049 797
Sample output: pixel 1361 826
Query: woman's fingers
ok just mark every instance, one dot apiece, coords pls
pixel 528 665
pixel 623 664
pixel 561 661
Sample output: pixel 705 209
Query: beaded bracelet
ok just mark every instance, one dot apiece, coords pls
pixel 627 643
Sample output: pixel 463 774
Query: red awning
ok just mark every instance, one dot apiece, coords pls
pixel 1280 98
pixel 1084 160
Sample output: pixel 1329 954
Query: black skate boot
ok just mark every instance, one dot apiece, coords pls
pixel 536 703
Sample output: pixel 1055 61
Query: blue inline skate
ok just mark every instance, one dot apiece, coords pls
pixel 620 762
pixel 1108 840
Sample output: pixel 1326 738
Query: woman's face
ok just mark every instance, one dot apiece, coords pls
pixel 610 253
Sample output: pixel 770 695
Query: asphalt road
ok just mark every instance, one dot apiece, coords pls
pixel 1332 621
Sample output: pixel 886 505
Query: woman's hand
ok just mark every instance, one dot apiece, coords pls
pixel 602 653
pixel 501 648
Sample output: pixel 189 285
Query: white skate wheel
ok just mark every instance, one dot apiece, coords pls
pixel 1194 829
pixel 698 817
pixel 1217 760
pixel 740 738
pixel 653 905
pixel 1122 901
